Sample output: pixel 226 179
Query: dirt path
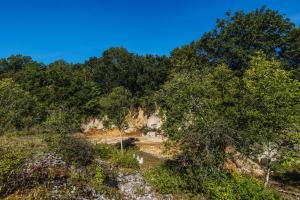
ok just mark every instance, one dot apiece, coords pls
pixel 147 144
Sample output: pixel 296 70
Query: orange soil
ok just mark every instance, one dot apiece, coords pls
pixel 151 145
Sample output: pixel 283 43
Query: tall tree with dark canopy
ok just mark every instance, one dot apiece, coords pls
pixel 237 37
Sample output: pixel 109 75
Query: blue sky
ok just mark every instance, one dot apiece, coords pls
pixel 75 30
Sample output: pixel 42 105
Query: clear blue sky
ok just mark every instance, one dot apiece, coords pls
pixel 75 30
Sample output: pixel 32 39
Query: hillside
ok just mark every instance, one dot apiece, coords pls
pixel 217 119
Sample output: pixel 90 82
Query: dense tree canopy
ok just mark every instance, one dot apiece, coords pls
pixel 14 63
pixel 139 74
pixel 237 37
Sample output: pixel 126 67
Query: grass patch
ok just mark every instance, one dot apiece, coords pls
pixel 115 157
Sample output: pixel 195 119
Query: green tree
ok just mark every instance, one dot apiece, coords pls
pixel 141 75
pixel 115 107
pixel 291 52
pixel 186 58
pixel 59 82
pixel 196 108
pixel 60 120
pixel 14 63
pixel 32 78
pixel 236 38
pixel 16 106
pixel 270 108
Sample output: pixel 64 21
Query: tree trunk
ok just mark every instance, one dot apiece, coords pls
pixel 267 178
pixel 269 160
pixel 121 142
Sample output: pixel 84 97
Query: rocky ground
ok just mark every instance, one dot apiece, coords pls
pixel 50 170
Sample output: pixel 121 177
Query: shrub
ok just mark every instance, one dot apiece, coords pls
pixel 10 165
pixel 209 182
pixel 288 172
pixel 114 155
pixel 73 149
pixel 98 178
pixel 59 121
pixel 235 186
pixel 16 107
pixel 125 160
pixel 165 180
pixel 105 151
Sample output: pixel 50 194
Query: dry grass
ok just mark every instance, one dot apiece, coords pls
pixel 34 143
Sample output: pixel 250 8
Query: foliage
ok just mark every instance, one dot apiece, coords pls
pixel 291 53
pixel 198 107
pixel 99 176
pixel 14 63
pixel 270 109
pixel 16 107
pixel 113 154
pixel 73 149
pixel 213 184
pixel 105 151
pixel 59 121
pixel 10 165
pixel 138 74
pixel 165 180
pixel 115 106
pixel 125 160
pixel 38 193
pixel 236 186
pixel 287 174
pixel 287 169
pixel 9 161
pixel 237 37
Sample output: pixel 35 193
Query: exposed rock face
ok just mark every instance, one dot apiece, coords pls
pixel 49 169
pixel 133 186
pixel 93 124
pixel 154 121
pixel 136 121
pixel 239 163
pixel 248 166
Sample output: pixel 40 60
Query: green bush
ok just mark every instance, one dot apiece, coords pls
pixel 165 180
pixel 114 155
pixel 125 160
pixel 288 172
pixel 235 186
pixel 10 161
pixel 105 151
pixel 10 165
pixel 17 107
pixel 97 180
pixel 59 121
pixel 211 183
pixel 73 149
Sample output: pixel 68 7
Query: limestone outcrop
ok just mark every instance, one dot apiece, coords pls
pixel 138 121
